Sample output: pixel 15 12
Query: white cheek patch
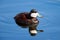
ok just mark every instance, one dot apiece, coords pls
pixel 34 14
pixel 33 31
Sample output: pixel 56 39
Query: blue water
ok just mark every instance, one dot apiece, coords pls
pixel 50 9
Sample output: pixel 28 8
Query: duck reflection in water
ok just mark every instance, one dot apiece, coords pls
pixel 28 20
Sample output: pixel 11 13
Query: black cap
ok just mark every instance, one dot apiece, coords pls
pixel 33 11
